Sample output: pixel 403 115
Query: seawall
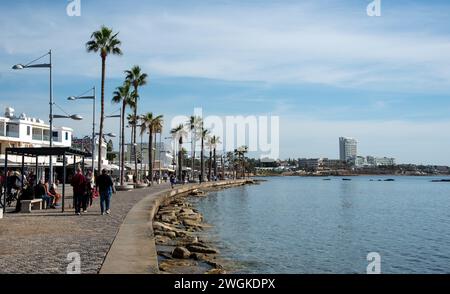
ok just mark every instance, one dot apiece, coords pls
pixel 134 250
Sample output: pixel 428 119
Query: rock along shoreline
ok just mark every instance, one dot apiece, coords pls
pixel 181 236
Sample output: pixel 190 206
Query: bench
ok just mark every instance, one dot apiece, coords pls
pixel 28 205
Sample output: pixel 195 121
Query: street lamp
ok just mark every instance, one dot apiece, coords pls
pixel 89 97
pixel 73 116
pixel 49 66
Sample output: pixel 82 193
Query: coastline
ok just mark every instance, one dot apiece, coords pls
pixel 134 249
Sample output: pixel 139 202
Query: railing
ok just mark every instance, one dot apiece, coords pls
pixel 13 134
pixel 37 137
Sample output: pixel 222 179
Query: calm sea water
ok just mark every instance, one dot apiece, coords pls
pixel 308 225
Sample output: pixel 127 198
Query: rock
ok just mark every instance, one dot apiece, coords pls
pixel 189 239
pixel 163 227
pixel 169 218
pixel 198 193
pixel 192 223
pixel 171 235
pixel 187 211
pixel 216 271
pixel 166 255
pixel 181 253
pixel 196 256
pixel 162 240
pixel 201 249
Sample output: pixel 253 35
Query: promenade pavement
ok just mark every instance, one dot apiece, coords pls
pixel 41 241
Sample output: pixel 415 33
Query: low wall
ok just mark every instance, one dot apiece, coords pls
pixel 134 250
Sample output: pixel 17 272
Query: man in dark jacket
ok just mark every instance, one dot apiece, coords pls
pixel 105 187
pixel 79 189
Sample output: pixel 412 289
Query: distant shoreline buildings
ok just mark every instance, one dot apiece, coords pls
pixel 348 152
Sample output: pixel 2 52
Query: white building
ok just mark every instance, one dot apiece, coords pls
pixel 347 148
pixel 23 131
pixel 85 144
pixel 162 153
pixel 371 161
pixel 384 161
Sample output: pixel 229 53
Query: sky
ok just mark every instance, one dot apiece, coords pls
pixel 325 68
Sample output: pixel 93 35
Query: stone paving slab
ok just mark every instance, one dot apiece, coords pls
pixel 40 242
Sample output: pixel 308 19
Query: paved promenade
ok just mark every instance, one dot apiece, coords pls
pixel 39 242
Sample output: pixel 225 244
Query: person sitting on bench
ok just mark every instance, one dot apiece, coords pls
pixel 41 192
pixel 52 192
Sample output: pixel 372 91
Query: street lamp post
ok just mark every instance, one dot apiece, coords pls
pixel 91 97
pixel 49 66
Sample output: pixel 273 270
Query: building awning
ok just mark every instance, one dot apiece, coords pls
pixel 46 151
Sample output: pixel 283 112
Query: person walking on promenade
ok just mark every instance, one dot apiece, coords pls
pixel 172 180
pixel 105 187
pixel 88 196
pixel 79 189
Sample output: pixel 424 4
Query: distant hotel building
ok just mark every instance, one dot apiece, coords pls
pixel 347 148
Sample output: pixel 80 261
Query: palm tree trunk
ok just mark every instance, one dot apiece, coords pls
pixel 150 155
pixel 215 163
pixel 193 155
pixel 180 163
pixel 202 168
pixel 102 116
pixel 153 150
pixel 134 135
pixel 210 164
pixel 122 143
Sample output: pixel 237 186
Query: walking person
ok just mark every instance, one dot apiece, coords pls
pixel 172 181
pixel 87 198
pixel 79 189
pixel 105 187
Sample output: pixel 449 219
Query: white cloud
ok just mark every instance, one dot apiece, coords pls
pixel 288 43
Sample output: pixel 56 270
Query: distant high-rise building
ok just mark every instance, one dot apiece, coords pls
pixel 347 148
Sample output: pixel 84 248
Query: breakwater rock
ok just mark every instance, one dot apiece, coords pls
pixel 178 228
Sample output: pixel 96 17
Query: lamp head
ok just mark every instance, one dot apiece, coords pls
pixel 18 66
pixel 76 117
pixel 72 98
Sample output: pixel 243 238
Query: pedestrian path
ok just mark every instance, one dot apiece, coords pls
pixel 40 242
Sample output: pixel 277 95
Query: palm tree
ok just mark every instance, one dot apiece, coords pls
pixel 123 95
pixel 193 125
pixel 150 124
pixel 230 158
pixel 240 153
pixel 137 79
pixel 133 121
pixel 209 143
pixel 215 140
pixel 179 133
pixel 105 42
pixel 157 129
pixel 204 135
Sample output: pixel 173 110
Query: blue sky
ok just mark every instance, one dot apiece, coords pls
pixel 324 67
